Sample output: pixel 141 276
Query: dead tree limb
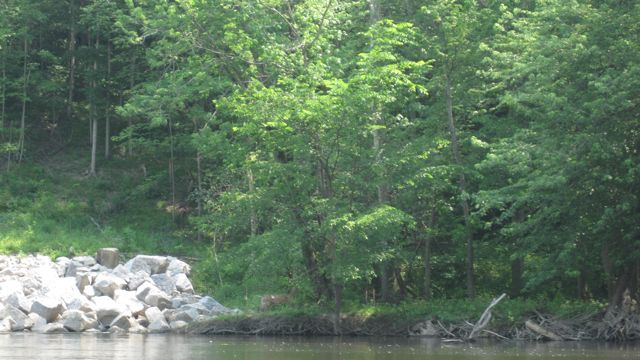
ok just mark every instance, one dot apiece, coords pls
pixel 485 318
pixel 542 331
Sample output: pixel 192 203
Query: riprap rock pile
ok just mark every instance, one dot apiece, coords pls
pixel 146 294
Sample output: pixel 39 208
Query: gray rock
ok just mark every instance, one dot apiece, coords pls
pixel 201 309
pixel 122 321
pixel 153 314
pixel 122 272
pixel 54 328
pixel 66 290
pixel 6 324
pixel 63 259
pixel 116 330
pixel 143 321
pixel 178 267
pixel 149 264
pixel 19 301
pixel 89 292
pixel 38 322
pixel 77 321
pixel 177 325
pixel 164 282
pixel 157 322
pixel 137 279
pixel 214 307
pixel 84 260
pixel 47 307
pixel 31 286
pixel 61 265
pixel 128 299
pixel 10 287
pixel 108 257
pixel 159 300
pixel 144 289
pixel 182 283
pixel 153 296
pixel 138 329
pixel 107 309
pixel 83 280
pixel 73 268
pixel 184 299
pixel 19 321
pixel 187 315
pixel 82 304
pixel 98 268
pixel 107 284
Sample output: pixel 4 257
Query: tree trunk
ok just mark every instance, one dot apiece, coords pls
pixel 253 216
pixel 199 197
pixel 172 178
pixel 471 289
pixel 607 266
pixel 72 59
pixel 517 269
pixel 581 285
pixel 427 255
pixel 107 110
pixel 386 267
pixel 319 282
pixel 25 75
pixel 3 101
pixel 94 145
pixel 94 112
pixel 132 80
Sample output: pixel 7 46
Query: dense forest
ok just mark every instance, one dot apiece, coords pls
pixel 345 151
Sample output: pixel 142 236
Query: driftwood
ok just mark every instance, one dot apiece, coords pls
pixel 485 318
pixel 542 331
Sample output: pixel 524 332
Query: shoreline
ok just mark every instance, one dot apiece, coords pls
pixel 586 327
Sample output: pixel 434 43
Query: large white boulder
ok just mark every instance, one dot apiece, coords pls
pixel 108 257
pixel 47 307
pixel 19 320
pixel 214 307
pixel 122 321
pixel 54 328
pixel 38 322
pixel 164 282
pixel 147 263
pixel 129 299
pixel 153 296
pixel 87 261
pixel 9 288
pixel 157 321
pixel 138 278
pixel 107 309
pixel 185 314
pixel 19 301
pixel 177 266
pixel 183 284
pixel 77 321
pixel 107 284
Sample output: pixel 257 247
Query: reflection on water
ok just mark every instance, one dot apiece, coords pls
pixel 106 346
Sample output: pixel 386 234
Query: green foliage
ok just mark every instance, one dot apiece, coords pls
pixel 305 146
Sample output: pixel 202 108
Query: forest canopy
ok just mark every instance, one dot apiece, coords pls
pixel 348 149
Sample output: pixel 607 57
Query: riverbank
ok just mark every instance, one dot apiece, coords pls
pixel 612 325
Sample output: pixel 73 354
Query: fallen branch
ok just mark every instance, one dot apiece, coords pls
pixel 542 331
pixel 484 319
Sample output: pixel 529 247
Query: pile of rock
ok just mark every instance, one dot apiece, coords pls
pixel 146 294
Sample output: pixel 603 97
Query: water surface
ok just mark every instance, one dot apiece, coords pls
pixel 160 347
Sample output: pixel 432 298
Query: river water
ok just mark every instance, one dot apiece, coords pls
pixel 159 347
